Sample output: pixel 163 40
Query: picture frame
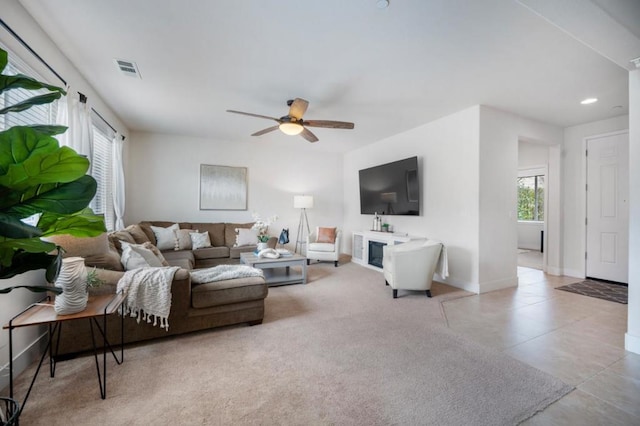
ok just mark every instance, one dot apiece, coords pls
pixel 223 187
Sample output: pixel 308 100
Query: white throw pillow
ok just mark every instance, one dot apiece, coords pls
pixel 136 256
pixel 165 237
pixel 200 240
pixel 246 237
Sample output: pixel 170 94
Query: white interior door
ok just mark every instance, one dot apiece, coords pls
pixel 608 207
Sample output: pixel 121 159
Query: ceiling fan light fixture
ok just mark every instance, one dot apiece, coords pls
pixel 291 129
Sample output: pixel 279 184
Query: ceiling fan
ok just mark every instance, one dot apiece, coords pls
pixel 293 124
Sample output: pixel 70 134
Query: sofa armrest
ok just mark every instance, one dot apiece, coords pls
pixel 180 289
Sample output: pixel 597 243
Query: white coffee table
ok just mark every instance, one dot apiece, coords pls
pixel 284 270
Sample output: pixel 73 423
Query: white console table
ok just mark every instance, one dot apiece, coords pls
pixel 361 245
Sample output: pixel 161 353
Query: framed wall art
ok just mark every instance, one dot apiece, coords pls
pixel 223 187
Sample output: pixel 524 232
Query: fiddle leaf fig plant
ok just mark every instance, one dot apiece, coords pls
pixel 42 181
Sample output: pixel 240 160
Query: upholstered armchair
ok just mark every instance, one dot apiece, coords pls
pixel 323 244
pixel 410 266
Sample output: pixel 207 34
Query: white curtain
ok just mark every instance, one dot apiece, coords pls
pixel 76 116
pixel 118 181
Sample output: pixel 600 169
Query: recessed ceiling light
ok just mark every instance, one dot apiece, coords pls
pixel 382 4
pixel 589 101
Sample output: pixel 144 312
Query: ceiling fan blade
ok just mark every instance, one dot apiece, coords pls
pixel 298 108
pixel 267 130
pixel 308 135
pixel 329 124
pixel 253 115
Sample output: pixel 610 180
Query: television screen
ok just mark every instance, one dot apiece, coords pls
pixel 391 189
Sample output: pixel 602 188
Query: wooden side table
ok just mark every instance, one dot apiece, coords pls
pixel 42 313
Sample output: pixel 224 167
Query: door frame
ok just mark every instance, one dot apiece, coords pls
pixel 585 143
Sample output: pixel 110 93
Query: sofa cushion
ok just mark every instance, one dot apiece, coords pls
pixel 118 236
pixel 200 240
pixel 165 237
pixel 234 252
pixel 326 247
pixel 228 291
pixel 183 239
pixel 230 232
pixel 178 258
pixel 211 253
pixel 245 237
pixel 215 230
pixel 136 256
pixel 326 235
pixel 138 234
pixel 79 246
pixel 156 252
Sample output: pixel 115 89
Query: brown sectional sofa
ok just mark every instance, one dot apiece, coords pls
pixel 193 307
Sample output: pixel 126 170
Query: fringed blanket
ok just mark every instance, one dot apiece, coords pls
pixel 224 272
pixel 148 294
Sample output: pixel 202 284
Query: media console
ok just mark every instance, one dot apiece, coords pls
pixel 367 246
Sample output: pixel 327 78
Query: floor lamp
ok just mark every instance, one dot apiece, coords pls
pixel 302 202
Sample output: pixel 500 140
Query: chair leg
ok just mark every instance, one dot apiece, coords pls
pixel 428 293
pixel 307 262
pixel 336 263
pixel 386 282
pixel 395 293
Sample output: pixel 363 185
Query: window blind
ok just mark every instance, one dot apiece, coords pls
pixel 101 165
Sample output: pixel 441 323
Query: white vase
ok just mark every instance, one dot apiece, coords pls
pixel 262 246
pixel 73 282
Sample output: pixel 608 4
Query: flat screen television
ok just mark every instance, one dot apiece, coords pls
pixel 391 189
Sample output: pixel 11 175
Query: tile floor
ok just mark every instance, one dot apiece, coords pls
pixel 577 339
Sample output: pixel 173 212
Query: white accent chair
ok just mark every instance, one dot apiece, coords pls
pixel 323 251
pixel 411 265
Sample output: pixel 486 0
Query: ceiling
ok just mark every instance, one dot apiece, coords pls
pixel 386 70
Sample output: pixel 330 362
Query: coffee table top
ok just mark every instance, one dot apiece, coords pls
pixel 251 258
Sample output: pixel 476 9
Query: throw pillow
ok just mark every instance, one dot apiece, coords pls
pixel 246 237
pixel 200 240
pixel 165 237
pixel 326 235
pixel 183 239
pixel 136 256
pixel 156 252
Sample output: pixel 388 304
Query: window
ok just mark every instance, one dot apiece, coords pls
pixel 101 170
pixel 39 114
pixel 531 198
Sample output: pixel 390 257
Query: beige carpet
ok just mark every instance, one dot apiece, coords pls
pixel 339 351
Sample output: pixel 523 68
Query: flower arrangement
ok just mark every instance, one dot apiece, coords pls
pixel 262 226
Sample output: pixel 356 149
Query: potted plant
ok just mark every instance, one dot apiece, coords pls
pixel 40 180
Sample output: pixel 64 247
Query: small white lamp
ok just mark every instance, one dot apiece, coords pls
pixel 302 202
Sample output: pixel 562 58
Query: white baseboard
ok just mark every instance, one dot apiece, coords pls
pixel 555 270
pixel 22 361
pixel 498 284
pixel 573 273
pixel 632 343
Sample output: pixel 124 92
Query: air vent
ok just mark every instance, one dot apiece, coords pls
pixel 128 68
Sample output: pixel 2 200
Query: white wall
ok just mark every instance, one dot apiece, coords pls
pixel 166 187
pixel 468 164
pixel 447 151
pixel 26 346
pixel 632 337
pixel 573 186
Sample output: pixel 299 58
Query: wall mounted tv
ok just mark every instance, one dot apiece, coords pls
pixel 391 189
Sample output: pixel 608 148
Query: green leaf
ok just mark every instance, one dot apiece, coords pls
pixel 48 129
pixel 62 165
pixel 82 224
pixel 47 98
pixel 4 59
pixel 19 143
pixel 21 81
pixel 67 198
pixel 12 227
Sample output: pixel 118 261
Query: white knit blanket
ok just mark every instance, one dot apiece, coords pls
pixel 148 293
pixel 224 272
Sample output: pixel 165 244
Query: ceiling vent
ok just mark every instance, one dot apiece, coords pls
pixel 128 68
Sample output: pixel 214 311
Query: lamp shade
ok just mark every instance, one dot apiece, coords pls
pixel 302 201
